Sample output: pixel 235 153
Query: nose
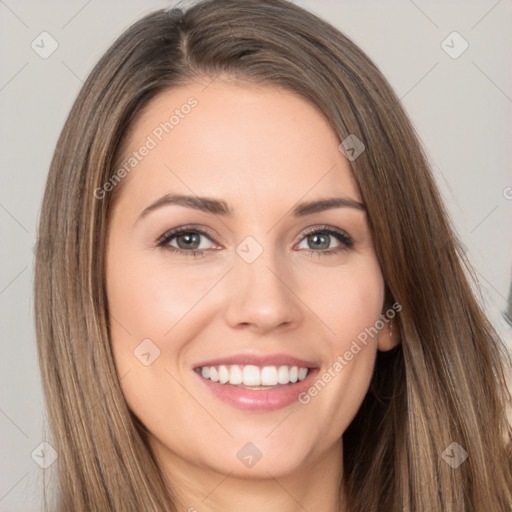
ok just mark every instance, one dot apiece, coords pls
pixel 261 295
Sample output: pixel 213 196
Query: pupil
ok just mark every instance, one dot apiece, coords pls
pixel 317 238
pixel 189 237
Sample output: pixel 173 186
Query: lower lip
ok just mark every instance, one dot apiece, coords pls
pixel 246 399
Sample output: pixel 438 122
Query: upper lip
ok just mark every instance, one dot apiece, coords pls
pixel 258 360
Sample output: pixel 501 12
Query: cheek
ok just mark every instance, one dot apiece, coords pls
pixel 347 300
pixel 148 297
pixel 350 304
pixel 149 301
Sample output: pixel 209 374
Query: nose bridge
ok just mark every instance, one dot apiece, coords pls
pixel 259 287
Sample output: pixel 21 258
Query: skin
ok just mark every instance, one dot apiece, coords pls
pixel 262 150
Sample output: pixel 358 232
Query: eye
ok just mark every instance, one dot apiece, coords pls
pixel 185 240
pixel 320 238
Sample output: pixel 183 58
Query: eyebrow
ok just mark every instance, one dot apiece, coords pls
pixel 220 207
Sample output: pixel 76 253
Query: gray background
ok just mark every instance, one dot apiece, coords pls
pixel 461 108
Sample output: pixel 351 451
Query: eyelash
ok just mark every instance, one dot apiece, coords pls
pixel 346 241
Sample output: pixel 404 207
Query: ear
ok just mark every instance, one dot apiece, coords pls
pixel 389 336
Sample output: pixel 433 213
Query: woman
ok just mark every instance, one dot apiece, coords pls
pixel 248 294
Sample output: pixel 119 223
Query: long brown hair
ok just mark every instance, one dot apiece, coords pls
pixel 444 383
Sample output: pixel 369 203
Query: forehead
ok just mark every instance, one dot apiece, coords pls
pixel 246 143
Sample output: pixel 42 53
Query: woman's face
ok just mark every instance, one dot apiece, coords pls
pixel 262 287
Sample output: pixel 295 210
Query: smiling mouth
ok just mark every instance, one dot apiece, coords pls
pixel 254 377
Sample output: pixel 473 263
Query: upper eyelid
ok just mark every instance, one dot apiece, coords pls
pixel 326 228
pixel 171 233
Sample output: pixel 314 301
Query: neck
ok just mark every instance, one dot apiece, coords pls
pixel 315 485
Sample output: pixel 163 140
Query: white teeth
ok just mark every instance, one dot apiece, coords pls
pixel 235 375
pixel 223 374
pixel 283 375
pixel 214 374
pixel 269 376
pixel 251 375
